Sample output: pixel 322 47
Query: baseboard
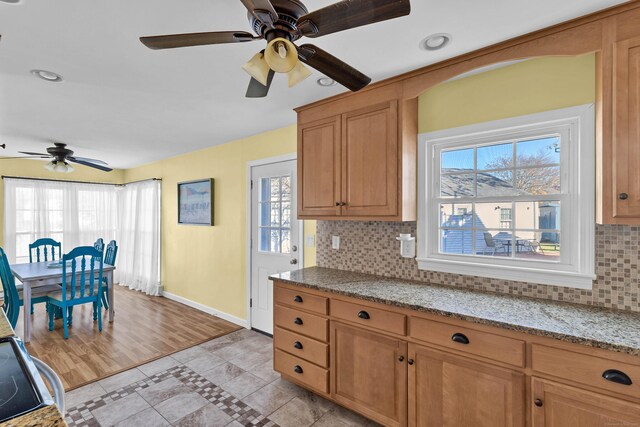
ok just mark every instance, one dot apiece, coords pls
pixel 228 317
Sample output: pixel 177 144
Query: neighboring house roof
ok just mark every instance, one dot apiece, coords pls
pixel 460 183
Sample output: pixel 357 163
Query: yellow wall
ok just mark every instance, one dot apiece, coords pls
pixel 527 87
pixel 35 169
pixel 207 264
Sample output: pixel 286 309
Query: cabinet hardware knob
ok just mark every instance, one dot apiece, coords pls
pixel 401 359
pixel 343 203
pixel 364 315
pixel 410 361
pixel 460 338
pixel 623 196
pixel 297 298
pixel 298 321
pixel 298 345
pixel 293 261
pixel 297 369
pixel 338 204
pixel 616 376
pixel 538 402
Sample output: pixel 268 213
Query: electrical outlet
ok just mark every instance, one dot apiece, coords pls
pixel 335 242
pixel 310 240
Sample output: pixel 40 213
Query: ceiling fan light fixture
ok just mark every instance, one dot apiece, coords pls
pixel 69 168
pixel 258 68
pixel 298 74
pixel 281 55
pixel 60 167
pixel 50 166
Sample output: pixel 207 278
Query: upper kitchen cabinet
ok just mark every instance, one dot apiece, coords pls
pixel 625 160
pixel 357 157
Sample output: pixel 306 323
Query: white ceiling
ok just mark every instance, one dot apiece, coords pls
pixel 129 105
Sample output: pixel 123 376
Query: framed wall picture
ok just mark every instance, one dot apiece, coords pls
pixel 195 202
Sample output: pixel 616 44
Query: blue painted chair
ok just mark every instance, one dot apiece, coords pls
pixel 110 259
pixel 12 296
pixel 81 284
pixel 48 250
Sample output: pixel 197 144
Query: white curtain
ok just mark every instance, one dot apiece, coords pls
pixel 138 265
pixel 71 213
pixel 76 214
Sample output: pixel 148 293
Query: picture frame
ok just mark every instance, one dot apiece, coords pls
pixel 195 202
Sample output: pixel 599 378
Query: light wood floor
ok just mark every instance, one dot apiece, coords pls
pixel 144 329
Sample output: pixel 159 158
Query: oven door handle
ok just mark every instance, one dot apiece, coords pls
pixel 53 380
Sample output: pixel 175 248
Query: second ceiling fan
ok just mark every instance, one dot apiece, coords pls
pixel 282 22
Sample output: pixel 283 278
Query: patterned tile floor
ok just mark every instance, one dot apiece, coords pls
pixel 228 381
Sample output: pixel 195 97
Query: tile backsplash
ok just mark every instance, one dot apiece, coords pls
pixel 371 247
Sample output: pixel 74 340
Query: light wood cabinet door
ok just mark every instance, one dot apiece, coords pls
pixel 450 391
pixel 319 168
pixel 369 373
pixel 626 129
pixel 557 405
pixel 370 161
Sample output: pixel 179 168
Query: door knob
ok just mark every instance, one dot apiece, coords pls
pixel 293 261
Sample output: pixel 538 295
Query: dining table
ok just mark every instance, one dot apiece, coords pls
pixel 38 274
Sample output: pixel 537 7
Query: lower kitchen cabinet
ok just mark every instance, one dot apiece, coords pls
pixel 446 390
pixel 369 373
pixel 557 405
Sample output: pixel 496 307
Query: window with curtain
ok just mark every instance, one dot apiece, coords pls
pixel 76 214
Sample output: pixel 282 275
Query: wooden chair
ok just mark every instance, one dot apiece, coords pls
pixel 13 296
pixel 48 255
pixel 84 285
pixel 110 259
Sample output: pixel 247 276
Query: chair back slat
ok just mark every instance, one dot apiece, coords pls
pixel 99 245
pixel 44 244
pixel 88 273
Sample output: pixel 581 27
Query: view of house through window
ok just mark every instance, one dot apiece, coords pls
pixel 275 214
pixel 498 199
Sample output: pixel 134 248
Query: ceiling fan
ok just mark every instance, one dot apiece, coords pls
pixel 60 157
pixel 282 22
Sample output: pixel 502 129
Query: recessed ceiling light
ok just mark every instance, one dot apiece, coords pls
pixel 435 41
pixel 326 82
pixel 47 75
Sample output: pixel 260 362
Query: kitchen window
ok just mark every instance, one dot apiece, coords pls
pixel 511 199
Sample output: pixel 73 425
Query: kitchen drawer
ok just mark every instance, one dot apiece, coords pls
pixel 302 371
pixel 586 369
pixel 382 320
pixel 491 346
pixel 301 300
pixel 301 322
pixel 306 348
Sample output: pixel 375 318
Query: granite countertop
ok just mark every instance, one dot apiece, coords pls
pixel 611 330
pixel 49 416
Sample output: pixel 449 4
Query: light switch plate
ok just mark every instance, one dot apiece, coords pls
pixel 335 242
pixel 310 240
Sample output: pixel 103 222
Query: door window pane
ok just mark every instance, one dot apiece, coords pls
pixel 274 214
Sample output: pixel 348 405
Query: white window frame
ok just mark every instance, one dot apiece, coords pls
pixel 576 267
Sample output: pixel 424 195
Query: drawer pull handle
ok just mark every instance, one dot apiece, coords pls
pixel 364 315
pixel 298 345
pixel 616 376
pixel 460 338
pixel 297 298
pixel 298 369
pixel 410 361
pixel 537 402
pixel 298 321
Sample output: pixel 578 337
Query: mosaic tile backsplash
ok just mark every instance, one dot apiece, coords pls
pixel 371 247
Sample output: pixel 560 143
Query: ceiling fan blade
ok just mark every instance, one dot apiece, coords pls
pixel 86 159
pixel 91 165
pixel 332 67
pixel 171 41
pixel 350 14
pixel 263 10
pixel 257 89
pixel 34 154
pixel 23 157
